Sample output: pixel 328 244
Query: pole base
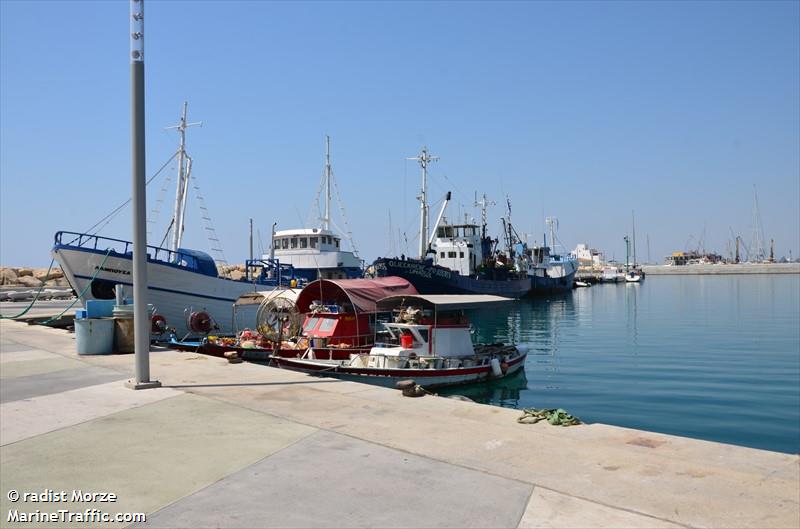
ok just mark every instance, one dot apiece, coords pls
pixel 132 384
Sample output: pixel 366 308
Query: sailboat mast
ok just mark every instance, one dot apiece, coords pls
pixel 627 252
pixel 633 227
pixel 326 220
pixel 424 159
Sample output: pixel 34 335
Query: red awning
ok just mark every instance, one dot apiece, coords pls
pixel 363 294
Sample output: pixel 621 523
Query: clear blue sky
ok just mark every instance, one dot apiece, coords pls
pixel 585 111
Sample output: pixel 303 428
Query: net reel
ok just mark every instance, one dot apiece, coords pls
pixel 201 322
pixel 278 318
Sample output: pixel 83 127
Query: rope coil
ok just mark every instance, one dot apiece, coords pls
pixel 556 417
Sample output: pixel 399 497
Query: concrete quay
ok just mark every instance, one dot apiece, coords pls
pixel 723 269
pixel 229 446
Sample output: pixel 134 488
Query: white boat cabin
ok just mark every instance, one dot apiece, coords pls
pixel 428 331
pixel 316 251
pixel 458 247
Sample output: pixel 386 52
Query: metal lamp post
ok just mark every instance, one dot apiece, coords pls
pixel 141 320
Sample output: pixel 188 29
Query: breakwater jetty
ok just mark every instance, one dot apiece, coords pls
pixel 723 269
pixel 246 445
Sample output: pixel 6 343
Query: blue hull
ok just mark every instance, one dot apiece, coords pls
pixel 551 285
pixel 430 279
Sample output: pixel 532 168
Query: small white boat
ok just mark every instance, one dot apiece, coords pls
pixel 59 293
pixel 582 284
pixel 610 274
pixel 428 341
pixel 19 295
pixel 633 276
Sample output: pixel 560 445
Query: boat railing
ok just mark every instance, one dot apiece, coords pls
pixel 118 246
pixel 419 361
pixel 269 271
pixel 341 342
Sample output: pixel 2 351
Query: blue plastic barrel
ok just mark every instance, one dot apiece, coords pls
pixel 94 336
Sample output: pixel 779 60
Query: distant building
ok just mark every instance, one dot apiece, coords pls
pixel 588 257
pixel 691 258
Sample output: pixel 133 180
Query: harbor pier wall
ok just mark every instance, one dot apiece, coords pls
pixel 248 445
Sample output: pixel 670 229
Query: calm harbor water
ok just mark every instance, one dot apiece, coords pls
pixel 709 357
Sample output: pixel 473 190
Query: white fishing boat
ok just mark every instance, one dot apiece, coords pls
pixel 428 340
pixel 549 271
pixel 180 281
pixel 317 253
pixel 611 274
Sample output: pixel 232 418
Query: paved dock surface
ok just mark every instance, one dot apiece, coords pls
pixel 229 446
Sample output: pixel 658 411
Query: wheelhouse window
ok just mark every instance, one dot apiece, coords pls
pixel 337 242
pixel 303 242
pixel 441 254
pixel 313 241
pixel 451 254
pixel 284 243
pixel 461 254
pixel 327 324
pixel 293 243
pixel 310 324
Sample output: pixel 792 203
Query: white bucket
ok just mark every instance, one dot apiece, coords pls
pixel 496 369
pixel 94 336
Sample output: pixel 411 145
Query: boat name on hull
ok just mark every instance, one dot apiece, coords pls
pixel 417 269
pixel 113 270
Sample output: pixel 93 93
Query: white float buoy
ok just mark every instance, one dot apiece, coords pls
pixel 496 370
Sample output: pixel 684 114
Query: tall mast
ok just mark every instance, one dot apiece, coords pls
pixel 424 159
pixel 627 251
pixel 184 170
pixel 483 203
pixel 633 226
pixel 552 222
pixel 326 220
pixel 758 231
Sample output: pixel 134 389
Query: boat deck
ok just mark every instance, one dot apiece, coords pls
pixel 245 445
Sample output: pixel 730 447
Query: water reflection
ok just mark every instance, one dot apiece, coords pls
pixel 632 310
pixel 504 392
pixel 536 325
pixel 725 347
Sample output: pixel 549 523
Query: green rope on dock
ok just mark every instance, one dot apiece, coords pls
pixel 79 296
pixel 38 293
pixel 556 417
